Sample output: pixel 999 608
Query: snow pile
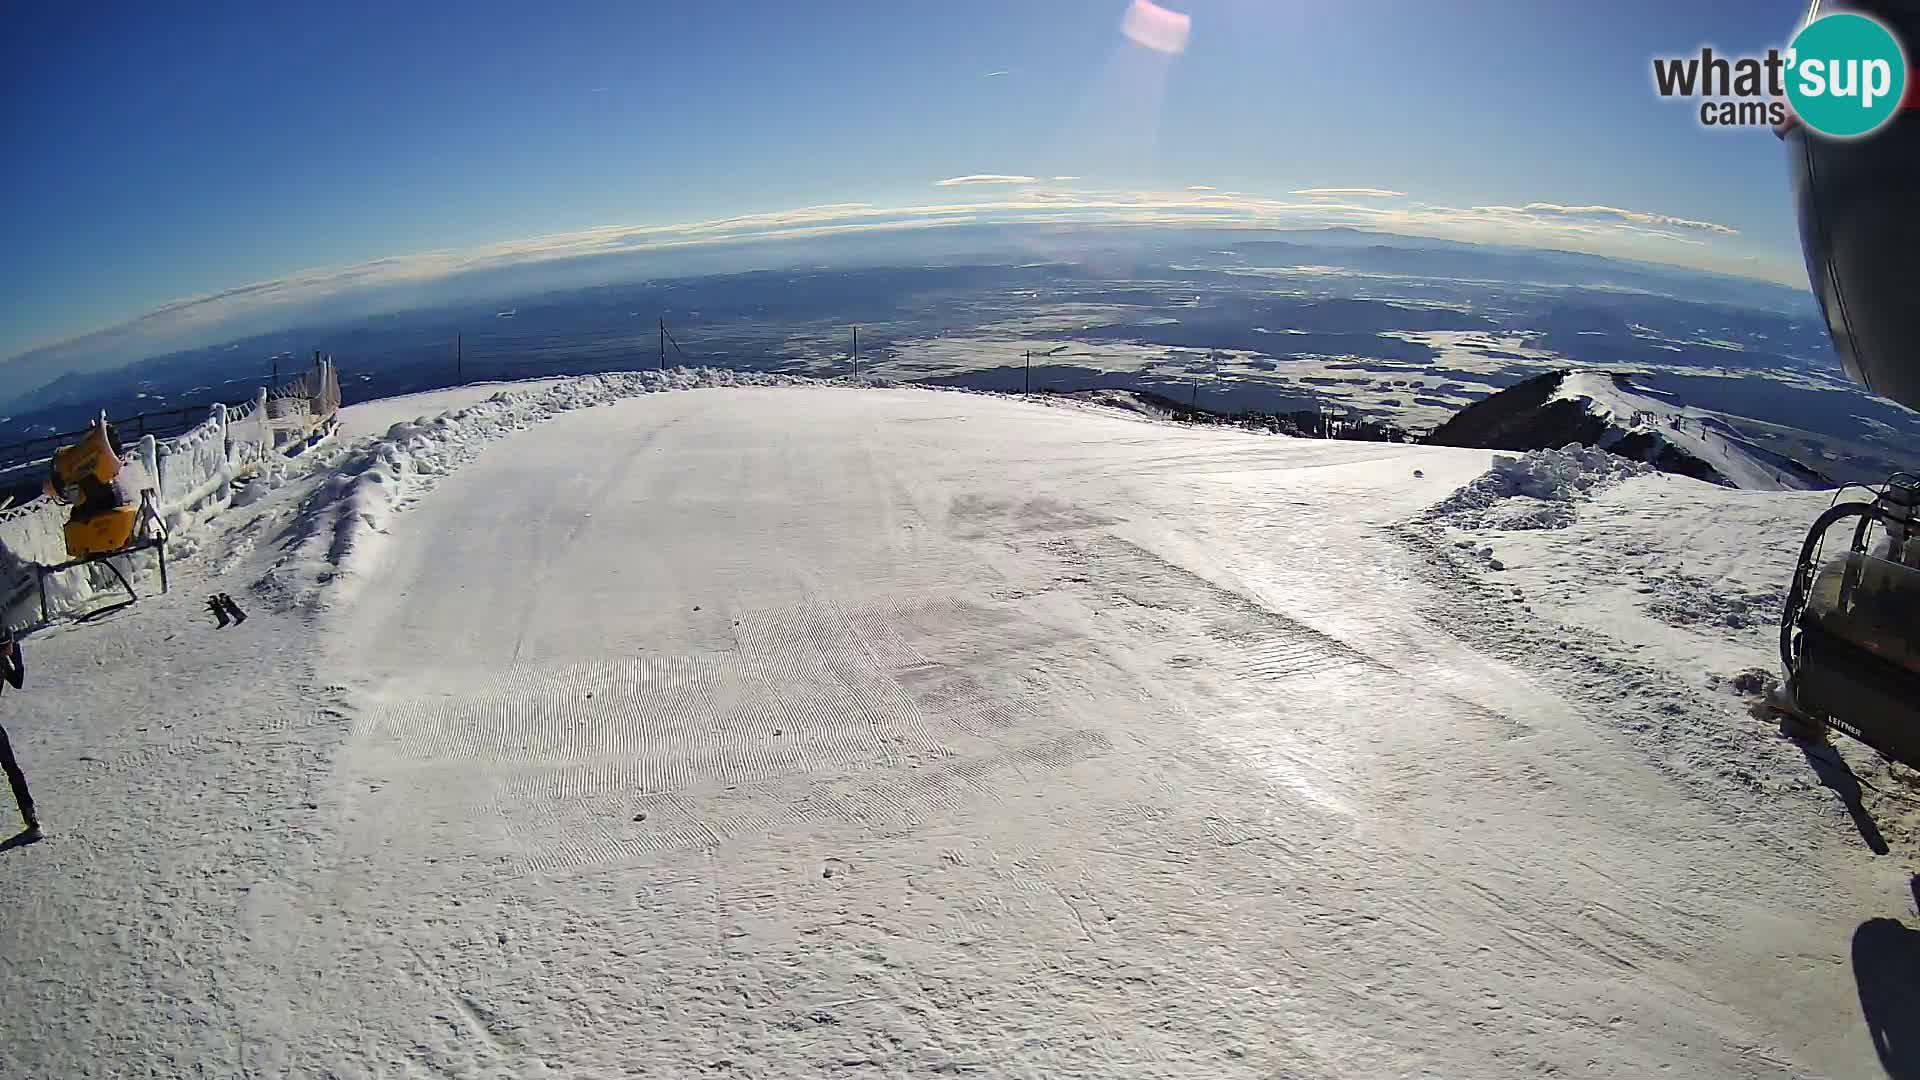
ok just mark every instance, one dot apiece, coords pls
pixel 333 540
pixel 1537 490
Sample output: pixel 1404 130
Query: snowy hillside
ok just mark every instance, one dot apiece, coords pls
pixel 1642 413
pixel 1611 411
pixel 771 729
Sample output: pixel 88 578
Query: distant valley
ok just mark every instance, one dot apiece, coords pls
pixel 1391 329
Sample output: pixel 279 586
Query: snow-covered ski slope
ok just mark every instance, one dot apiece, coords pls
pixel 808 731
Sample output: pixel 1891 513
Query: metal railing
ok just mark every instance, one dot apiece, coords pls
pixel 160 424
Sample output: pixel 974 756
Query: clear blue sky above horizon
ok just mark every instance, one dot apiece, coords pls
pixel 156 152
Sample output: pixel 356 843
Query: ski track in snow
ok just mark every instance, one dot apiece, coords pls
pixel 805 731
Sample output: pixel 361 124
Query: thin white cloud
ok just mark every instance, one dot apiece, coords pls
pixel 1635 216
pixel 995 74
pixel 1064 179
pixel 1201 187
pixel 983 178
pixel 1349 193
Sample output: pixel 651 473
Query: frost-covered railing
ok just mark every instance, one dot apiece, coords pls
pixel 191 474
pixel 30 534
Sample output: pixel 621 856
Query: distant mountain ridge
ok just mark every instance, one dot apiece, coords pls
pixel 1610 411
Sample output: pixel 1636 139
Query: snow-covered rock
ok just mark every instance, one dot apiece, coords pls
pixel 1615 412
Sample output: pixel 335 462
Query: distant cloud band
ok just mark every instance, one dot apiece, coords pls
pixel 419 280
pixel 983 178
pixel 1349 193
pixel 1614 212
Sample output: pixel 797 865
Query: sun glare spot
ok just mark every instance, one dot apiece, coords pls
pixel 1149 24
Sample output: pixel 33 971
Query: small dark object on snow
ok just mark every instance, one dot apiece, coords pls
pixel 696 607
pixel 233 609
pixel 1419 474
pixel 641 816
pixel 219 611
pixel 29 835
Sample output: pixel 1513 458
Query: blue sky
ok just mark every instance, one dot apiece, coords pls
pixel 256 154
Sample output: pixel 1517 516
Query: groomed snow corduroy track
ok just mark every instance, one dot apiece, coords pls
pixel 806 731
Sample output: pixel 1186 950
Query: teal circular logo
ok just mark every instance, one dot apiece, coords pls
pixel 1846 74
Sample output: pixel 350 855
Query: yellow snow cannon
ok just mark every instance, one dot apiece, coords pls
pixel 85 475
pixel 1850 634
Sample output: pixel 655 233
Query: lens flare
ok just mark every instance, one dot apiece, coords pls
pixel 1149 24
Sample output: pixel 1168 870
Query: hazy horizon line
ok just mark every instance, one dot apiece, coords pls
pixel 426 279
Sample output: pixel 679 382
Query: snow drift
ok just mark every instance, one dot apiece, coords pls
pixel 333 542
pixel 1538 490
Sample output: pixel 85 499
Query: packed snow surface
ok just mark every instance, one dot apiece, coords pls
pixel 787 730
pixel 375 417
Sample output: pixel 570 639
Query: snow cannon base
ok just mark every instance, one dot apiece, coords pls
pixel 126 523
pixel 1860 653
pixel 1850 634
pixel 1859 694
pixel 101 533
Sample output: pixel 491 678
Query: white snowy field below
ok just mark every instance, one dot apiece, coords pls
pixel 784 730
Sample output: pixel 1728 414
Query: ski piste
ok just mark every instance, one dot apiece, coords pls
pixel 913 748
